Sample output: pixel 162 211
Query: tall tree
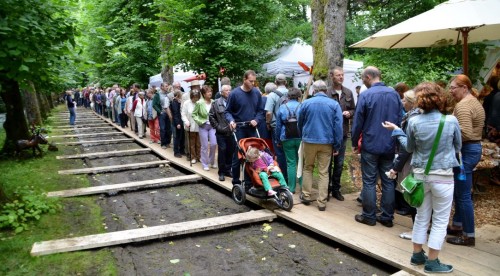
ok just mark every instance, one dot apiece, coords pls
pixel 328 20
pixel 34 37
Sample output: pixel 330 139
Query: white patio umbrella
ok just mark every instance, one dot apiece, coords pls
pixel 449 23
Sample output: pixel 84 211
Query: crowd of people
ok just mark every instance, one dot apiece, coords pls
pixel 393 130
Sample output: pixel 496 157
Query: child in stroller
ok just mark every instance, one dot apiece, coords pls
pixel 263 163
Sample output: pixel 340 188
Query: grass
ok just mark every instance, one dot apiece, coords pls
pixel 79 216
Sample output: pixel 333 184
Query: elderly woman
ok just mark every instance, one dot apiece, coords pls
pixel 206 131
pixel 290 144
pixel 438 184
pixel 470 115
pixel 191 126
pixel 401 166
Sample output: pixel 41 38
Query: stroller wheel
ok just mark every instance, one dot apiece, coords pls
pixel 285 199
pixel 238 193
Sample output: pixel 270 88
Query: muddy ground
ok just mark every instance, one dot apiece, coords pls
pixel 277 249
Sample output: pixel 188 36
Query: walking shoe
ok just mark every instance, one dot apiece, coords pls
pixel 193 161
pixel 206 168
pixel 405 235
pixel 338 196
pixel 462 240
pixel 322 208
pixel 359 200
pixel 178 155
pixel 271 193
pixel 386 223
pixel 221 177
pixel 214 166
pixel 453 232
pixel 304 201
pixel 435 266
pixel 164 147
pixel 361 219
pixel 418 258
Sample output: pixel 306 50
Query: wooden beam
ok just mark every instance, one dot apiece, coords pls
pixel 83 128
pixel 115 168
pixel 105 153
pixel 86 134
pixel 149 233
pixel 130 186
pixel 80 126
pixel 114 141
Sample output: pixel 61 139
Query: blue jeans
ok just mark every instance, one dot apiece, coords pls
pixel 464 208
pixel 241 132
pixel 371 166
pixel 338 165
pixel 165 129
pixel 72 115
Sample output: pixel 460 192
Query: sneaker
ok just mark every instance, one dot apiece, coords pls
pixel 206 168
pixel 435 266
pixel 405 235
pixel 214 166
pixel 193 161
pixel 164 147
pixel 386 223
pixel 418 258
pixel 271 193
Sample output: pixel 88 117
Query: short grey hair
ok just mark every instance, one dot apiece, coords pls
pixel 226 86
pixel 270 87
pixel 371 71
pixel 319 86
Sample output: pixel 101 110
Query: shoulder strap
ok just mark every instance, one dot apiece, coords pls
pixel 289 112
pixel 435 145
pixel 278 93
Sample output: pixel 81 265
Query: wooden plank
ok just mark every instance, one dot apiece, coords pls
pixel 103 142
pixel 105 154
pixel 84 128
pixel 401 273
pixel 130 186
pixel 85 134
pixel 115 168
pixel 150 233
pixel 80 125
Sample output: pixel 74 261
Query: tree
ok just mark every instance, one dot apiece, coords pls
pixel 34 37
pixel 328 20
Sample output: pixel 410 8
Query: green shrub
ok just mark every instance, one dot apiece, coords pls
pixel 28 204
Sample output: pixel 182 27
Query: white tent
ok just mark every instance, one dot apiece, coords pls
pixel 287 58
pixel 179 76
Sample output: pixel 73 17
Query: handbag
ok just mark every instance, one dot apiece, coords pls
pixel 413 189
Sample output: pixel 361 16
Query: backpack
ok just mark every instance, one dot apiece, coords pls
pixel 282 100
pixel 291 124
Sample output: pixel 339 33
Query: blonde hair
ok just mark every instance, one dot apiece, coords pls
pixel 253 154
pixel 410 97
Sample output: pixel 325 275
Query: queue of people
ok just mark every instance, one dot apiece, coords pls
pixel 393 130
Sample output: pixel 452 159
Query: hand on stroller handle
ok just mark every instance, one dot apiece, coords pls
pixel 234 124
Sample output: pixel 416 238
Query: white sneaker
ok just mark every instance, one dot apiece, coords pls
pixel 405 235
pixel 193 161
pixel 214 166
pixel 271 193
pixel 206 168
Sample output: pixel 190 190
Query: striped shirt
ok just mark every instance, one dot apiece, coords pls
pixel 470 115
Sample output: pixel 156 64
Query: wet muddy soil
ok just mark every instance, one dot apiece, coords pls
pixel 267 248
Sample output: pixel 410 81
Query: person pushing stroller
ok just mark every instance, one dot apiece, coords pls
pixel 263 163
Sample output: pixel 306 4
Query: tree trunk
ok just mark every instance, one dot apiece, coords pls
pixel 328 20
pixel 32 108
pixel 167 72
pixel 15 124
pixel 50 99
pixel 44 108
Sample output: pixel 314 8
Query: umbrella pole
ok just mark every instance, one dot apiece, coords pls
pixel 465 50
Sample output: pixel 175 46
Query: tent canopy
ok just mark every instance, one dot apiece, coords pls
pixel 287 58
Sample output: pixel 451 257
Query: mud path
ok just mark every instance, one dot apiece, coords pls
pixel 276 248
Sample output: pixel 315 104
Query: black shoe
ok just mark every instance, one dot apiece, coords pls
pixel 338 196
pixel 358 199
pixel 462 240
pixel 228 174
pixel 221 177
pixel 453 232
pixel 403 212
pixel 362 219
pixel 178 155
pixel 304 201
pixel 386 223
pixel 322 208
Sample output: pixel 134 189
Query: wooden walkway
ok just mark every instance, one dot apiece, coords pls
pixel 337 223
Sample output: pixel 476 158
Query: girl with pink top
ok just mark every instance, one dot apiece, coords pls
pixel 263 163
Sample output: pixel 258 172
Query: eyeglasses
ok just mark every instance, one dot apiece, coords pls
pixel 454 87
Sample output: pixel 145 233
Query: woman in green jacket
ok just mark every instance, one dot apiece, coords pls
pixel 207 133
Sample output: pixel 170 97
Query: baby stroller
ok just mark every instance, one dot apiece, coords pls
pixel 283 196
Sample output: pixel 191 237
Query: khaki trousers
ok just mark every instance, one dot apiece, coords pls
pixel 323 153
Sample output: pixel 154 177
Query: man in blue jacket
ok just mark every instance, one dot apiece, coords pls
pixel 320 122
pixel 244 105
pixel 376 105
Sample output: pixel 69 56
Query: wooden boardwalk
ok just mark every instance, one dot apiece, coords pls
pixel 337 223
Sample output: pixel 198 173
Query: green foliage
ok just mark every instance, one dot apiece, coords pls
pixel 207 35
pixel 28 205
pixel 120 41
pixel 35 37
